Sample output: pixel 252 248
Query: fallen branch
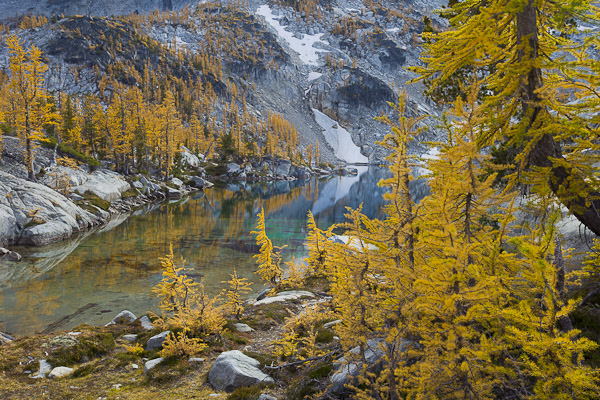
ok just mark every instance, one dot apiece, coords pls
pixel 295 363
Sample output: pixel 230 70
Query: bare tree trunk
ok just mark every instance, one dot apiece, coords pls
pixel 567 184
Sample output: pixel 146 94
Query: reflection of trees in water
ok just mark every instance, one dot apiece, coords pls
pixel 117 265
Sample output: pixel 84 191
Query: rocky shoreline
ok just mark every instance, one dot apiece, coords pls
pixel 238 362
pixel 66 200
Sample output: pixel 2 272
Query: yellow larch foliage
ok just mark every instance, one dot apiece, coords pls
pixel 269 256
pixel 29 107
pixel 236 288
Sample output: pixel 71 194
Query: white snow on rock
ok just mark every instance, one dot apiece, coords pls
pixel 339 139
pixel 335 189
pixel 304 47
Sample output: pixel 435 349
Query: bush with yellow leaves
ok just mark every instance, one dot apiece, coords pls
pixel 185 307
pixel 180 345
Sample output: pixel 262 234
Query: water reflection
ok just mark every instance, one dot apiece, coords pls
pixel 92 277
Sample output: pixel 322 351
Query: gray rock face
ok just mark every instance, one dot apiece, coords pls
pixel 156 341
pixel 106 184
pixel 44 370
pixel 282 167
pixel 130 337
pixel 31 213
pixel 124 317
pixel 12 8
pixel 233 369
pixel 151 364
pixel 60 372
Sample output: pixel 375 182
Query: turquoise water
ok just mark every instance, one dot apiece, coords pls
pixel 92 277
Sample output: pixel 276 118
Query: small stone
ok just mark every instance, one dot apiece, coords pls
pixel 74 333
pixel 130 338
pixel 146 324
pixel 214 395
pixel 135 366
pixel 60 372
pixel 151 364
pixel 177 182
pixel 265 396
pixel 123 317
pixel 117 386
pixel 5 338
pixel 332 323
pixel 156 341
pixel 196 360
pixel 45 368
pixel 243 328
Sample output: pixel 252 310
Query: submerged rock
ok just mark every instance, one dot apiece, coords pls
pixel 234 369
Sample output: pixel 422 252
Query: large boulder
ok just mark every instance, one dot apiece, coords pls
pixel 156 341
pixel 284 296
pixel 31 213
pixel 282 167
pixel 234 369
pixel 189 159
pixel 200 183
pixel 106 184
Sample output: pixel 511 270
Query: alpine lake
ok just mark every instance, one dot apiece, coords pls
pixel 96 274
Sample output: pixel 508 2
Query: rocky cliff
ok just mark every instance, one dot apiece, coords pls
pixel 347 60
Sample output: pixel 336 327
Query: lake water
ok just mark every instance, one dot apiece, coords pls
pixel 90 278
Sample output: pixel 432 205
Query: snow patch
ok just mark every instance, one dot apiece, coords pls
pixel 339 139
pixel 304 47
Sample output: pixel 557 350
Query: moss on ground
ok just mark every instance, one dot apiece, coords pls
pixel 96 200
